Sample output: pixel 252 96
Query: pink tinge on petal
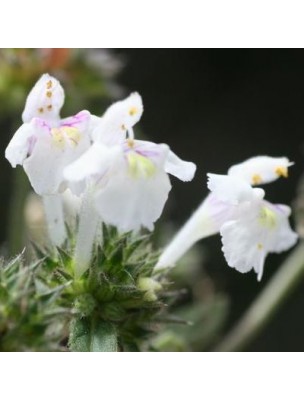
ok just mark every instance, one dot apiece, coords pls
pixel 41 123
pixel 148 153
pixel 146 150
pixel 218 210
pixel 76 120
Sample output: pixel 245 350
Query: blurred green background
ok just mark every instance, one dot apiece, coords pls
pixel 213 107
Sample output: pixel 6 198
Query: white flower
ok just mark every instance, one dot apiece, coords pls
pixel 250 226
pixel 219 206
pixel 128 176
pixel 126 179
pixel 130 181
pixel 45 144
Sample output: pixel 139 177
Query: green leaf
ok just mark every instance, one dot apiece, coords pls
pixel 91 335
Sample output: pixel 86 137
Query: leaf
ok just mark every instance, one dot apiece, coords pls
pixel 92 336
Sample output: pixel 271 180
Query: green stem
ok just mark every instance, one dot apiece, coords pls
pixel 268 302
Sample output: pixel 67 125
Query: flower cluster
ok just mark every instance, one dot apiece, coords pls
pixel 250 226
pixel 124 182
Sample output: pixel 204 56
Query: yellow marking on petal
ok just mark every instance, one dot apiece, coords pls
pixel 133 111
pixel 140 166
pixel 49 84
pixel 256 179
pixel 49 93
pixel 61 135
pixel 49 107
pixel 282 171
pixel 260 246
pixel 267 218
pixel 58 137
pixel 72 134
pixel 40 110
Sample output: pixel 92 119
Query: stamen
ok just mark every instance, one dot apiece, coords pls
pixel 260 246
pixel 49 107
pixel 282 171
pixel 130 142
pixel 133 111
pixel 49 93
pixel 40 110
pixel 256 179
pixel 49 84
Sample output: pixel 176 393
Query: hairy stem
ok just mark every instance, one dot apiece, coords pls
pixel 267 303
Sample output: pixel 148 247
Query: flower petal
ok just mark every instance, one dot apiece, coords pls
pixel 44 100
pixel 130 204
pixel 258 230
pixel 232 190
pixel 241 246
pixel 261 169
pixel 44 166
pixel 93 163
pixel 118 118
pixel 80 120
pixel 21 144
pixel 54 149
pixel 285 237
pixel 183 170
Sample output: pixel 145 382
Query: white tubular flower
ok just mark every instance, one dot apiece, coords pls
pixel 119 119
pixel 130 181
pixel 45 144
pixel 250 226
pixel 220 206
pixel 261 169
pixel 259 229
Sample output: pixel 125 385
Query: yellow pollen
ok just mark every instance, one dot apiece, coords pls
pixel 260 246
pixel 49 93
pixel 130 143
pixel 282 171
pixel 49 84
pixel 49 107
pixel 40 110
pixel 256 179
pixel 133 111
